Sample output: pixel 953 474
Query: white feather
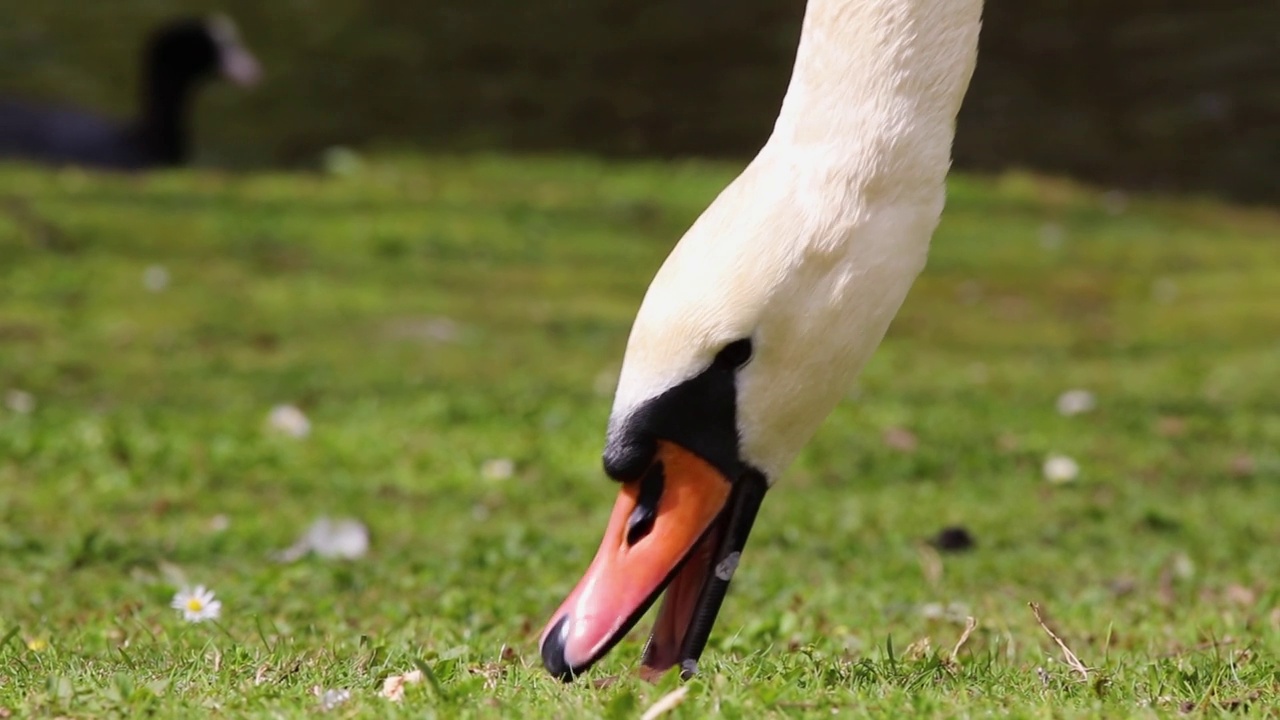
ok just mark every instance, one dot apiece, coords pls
pixel 812 249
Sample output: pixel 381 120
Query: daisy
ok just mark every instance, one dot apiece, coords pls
pixel 197 605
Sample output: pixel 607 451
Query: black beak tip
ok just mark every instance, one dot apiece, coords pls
pixel 553 652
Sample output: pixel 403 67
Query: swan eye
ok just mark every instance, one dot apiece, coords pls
pixel 735 354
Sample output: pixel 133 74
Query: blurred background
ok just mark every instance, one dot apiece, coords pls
pixel 1163 95
pixel 361 395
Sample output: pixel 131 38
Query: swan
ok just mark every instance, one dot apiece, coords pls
pixel 178 56
pixel 760 318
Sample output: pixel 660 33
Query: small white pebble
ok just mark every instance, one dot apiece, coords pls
pixel 932 611
pixel 497 468
pixel 951 612
pixel 1076 402
pixel 1060 469
pixel 340 160
pixel 1052 236
pixel 442 329
pixel 342 539
pixel 20 401
pixel 289 420
pixel 333 698
pixel 1164 291
pixel 979 374
pixel 1183 566
pixel 155 278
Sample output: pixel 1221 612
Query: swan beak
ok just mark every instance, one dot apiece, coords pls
pixel 240 66
pixel 235 61
pixel 670 530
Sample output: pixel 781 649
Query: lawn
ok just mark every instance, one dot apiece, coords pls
pixel 434 318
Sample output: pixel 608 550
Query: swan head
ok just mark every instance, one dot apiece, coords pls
pixel 746 339
pixel 688 497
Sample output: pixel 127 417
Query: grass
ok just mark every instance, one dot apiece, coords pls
pixel 429 315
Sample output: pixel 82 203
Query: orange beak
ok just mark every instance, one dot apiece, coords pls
pixel 680 528
pixel 663 532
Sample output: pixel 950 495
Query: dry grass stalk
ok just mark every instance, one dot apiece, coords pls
pixel 666 703
pixel 970 624
pixel 1072 661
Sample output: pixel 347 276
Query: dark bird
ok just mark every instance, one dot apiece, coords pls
pixel 178 57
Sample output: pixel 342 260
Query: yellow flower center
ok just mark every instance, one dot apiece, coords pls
pixel 194 605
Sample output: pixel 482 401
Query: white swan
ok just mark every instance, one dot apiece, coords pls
pixel 765 311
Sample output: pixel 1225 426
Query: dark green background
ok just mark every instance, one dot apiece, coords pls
pixel 1148 94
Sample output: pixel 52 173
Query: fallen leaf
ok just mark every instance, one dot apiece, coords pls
pixel 1171 427
pixel 341 538
pixel 1239 703
pixel 1243 466
pixel 289 420
pixel 900 439
pixel 1060 469
pixel 497 469
pixel 1076 402
pixel 332 698
pixel 919 650
pixel 1240 595
pixel 155 278
pixel 393 687
pixel 20 401
pixel 666 703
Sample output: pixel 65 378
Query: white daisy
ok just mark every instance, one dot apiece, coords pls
pixel 1059 469
pixel 197 604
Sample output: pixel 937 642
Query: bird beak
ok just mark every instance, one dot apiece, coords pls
pixel 240 66
pixel 680 528
pixel 235 61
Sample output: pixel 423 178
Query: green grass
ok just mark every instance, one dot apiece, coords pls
pixel 431 315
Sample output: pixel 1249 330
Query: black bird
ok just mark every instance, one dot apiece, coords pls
pixel 178 57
